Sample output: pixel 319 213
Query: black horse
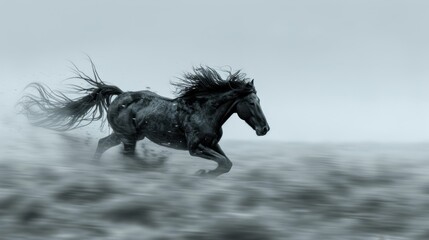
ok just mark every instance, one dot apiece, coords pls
pixel 192 121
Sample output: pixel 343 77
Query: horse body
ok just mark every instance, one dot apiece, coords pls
pixel 136 115
pixel 193 121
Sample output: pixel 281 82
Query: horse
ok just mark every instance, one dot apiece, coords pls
pixel 192 121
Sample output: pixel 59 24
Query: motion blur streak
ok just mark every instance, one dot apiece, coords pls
pixel 50 189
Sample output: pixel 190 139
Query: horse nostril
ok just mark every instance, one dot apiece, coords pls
pixel 266 129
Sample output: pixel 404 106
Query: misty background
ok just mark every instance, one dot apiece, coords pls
pixel 330 71
pixel 343 84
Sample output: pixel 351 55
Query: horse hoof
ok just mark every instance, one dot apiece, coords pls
pixel 201 172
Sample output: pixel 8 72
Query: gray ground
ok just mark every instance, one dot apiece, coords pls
pixel 50 189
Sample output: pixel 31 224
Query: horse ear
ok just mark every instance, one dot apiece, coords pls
pixel 250 84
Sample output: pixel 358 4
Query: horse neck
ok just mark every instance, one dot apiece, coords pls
pixel 221 108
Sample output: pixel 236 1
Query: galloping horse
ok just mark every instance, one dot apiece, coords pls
pixel 192 121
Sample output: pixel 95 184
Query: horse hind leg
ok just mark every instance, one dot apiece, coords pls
pixel 129 147
pixel 136 161
pixel 132 160
pixel 105 143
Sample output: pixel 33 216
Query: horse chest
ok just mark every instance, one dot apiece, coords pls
pixel 202 133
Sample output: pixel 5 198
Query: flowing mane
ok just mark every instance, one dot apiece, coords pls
pixel 205 80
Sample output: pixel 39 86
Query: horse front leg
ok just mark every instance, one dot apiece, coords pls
pixel 215 154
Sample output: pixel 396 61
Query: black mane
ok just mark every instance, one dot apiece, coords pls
pixel 205 80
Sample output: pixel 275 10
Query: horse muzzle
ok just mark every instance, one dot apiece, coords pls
pixel 262 131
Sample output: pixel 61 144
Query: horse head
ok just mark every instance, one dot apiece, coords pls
pixel 249 109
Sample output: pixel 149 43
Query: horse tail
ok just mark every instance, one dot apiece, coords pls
pixel 54 110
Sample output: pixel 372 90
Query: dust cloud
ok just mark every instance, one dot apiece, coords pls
pixel 50 188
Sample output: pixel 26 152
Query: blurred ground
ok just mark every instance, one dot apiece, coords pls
pixel 51 189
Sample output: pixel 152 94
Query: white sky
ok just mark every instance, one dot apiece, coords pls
pixel 324 70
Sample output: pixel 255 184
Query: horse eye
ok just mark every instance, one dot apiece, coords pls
pixel 252 103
